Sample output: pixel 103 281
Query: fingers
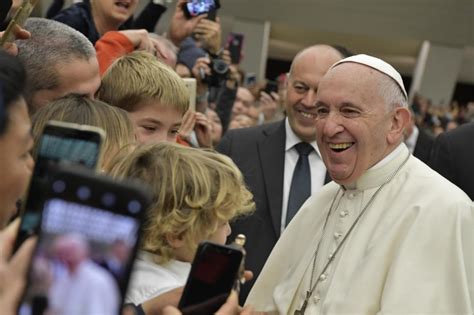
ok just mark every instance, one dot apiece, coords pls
pixel 231 306
pixel 189 119
pixel 7 238
pixel 248 275
pixel 157 304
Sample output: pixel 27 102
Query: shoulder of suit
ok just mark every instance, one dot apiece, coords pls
pixel 256 130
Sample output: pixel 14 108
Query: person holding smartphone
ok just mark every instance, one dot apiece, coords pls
pixel 196 192
pixel 16 165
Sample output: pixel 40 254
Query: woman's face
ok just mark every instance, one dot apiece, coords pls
pixel 117 11
pixel 16 163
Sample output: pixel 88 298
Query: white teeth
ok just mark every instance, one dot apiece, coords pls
pixel 340 146
pixel 308 115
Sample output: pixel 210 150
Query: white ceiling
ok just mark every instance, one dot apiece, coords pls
pixel 390 29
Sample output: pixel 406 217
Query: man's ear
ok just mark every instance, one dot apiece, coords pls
pixel 175 241
pixel 400 120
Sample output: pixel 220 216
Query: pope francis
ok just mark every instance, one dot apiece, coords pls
pixel 394 237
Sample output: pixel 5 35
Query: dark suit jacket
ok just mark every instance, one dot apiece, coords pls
pixel 453 157
pixel 423 146
pixel 259 152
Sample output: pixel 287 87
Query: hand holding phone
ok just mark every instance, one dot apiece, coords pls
pixel 193 8
pixel 214 272
pixel 16 23
pixel 89 231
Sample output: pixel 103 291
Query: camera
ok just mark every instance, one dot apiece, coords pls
pixel 219 72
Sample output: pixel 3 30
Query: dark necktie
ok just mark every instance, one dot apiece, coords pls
pixel 300 188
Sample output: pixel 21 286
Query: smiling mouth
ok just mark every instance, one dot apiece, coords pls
pixel 307 115
pixel 339 147
pixel 121 4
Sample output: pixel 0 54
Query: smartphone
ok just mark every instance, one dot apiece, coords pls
pixel 64 142
pixel 22 13
pixel 214 271
pixel 87 242
pixel 194 8
pixel 234 45
pixel 191 85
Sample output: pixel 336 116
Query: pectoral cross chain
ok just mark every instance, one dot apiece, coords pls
pixel 305 304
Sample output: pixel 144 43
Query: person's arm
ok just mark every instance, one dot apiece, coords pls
pixel 13 269
pixel 115 44
pixel 224 105
pixel 150 15
pixel 180 26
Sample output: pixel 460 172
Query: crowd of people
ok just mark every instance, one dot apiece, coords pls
pixel 352 200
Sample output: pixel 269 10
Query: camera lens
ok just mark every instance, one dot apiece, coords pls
pixel 220 66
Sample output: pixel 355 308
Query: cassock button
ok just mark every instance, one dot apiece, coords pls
pixel 322 277
pixel 337 235
pixel 343 213
pixel 330 256
pixel 316 299
pixel 351 196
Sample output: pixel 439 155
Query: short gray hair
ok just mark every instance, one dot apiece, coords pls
pixel 51 43
pixel 391 93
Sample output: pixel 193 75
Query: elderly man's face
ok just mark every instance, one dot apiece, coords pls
pixel 354 125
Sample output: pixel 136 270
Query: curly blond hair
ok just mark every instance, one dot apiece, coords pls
pixel 194 190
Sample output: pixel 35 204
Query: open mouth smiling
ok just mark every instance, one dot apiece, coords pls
pixel 122 4
pixel 340 147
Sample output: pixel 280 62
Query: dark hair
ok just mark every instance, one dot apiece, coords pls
pixel 12 85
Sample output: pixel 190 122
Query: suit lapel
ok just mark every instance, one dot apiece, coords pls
pixel 271 149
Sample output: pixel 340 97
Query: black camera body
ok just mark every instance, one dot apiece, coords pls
pixel 219 72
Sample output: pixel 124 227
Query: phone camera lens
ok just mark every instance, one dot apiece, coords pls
pixel 83 193
pixel 108 199
pixel 59 186
pixel 134 206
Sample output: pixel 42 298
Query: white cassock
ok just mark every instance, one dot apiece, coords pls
pixel 410 253
pixel 90 290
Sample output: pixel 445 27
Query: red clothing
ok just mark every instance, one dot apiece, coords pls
pixel 110 47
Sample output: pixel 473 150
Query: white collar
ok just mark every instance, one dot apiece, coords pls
pixel 292 139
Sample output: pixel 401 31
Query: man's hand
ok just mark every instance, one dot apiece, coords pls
pixel 19 33
pixel 209 34
pixel 13 269
pixel 230 307
pixel 180 26
pixel 201 68
pixel 269 104
pixel 140 40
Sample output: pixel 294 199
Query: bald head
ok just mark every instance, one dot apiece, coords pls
pixel 323 56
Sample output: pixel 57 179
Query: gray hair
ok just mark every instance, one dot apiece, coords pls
pixel 391 93
pixel 51 43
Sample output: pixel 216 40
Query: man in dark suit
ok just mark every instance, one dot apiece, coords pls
pixel 419 142
pixel 453 157
pixel 267 157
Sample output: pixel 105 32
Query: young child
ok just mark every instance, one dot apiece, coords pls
pixel 155 97
pixel 196 193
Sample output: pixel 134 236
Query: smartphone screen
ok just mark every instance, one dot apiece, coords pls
pixel 213 274
pixel 197 7
pixel 87 242
pixel 234 45
pixel 60 142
